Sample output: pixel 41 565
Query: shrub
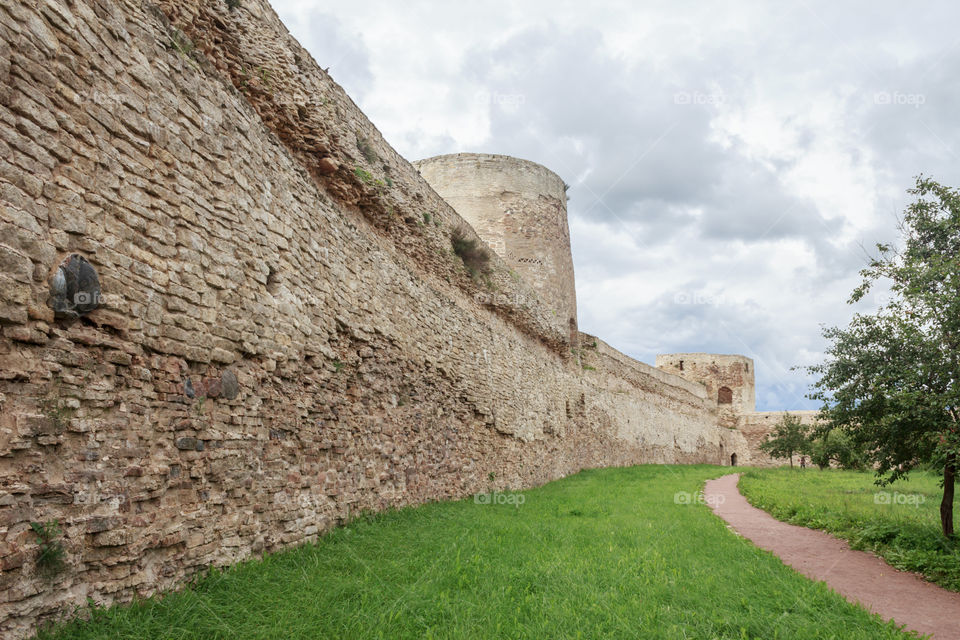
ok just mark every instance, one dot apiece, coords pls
pixel 364 175
pixel 50 551
pixel 367 150
pixel 474 254
pixel 836 446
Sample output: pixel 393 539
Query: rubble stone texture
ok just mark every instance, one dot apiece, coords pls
pixel 280 341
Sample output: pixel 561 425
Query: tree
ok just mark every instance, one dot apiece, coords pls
pixel 835 446
pixel 787 438
pixel 891 380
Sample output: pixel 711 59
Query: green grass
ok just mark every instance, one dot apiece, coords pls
pixel 905 532
pixel 602 554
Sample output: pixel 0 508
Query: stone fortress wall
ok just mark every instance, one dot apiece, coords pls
pixel 519 208
pixel 281 342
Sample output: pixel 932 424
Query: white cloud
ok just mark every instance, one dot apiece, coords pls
pixel 728 162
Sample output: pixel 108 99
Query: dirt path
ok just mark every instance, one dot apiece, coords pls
pixel 858 576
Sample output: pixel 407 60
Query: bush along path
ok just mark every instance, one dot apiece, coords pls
pixel 858 576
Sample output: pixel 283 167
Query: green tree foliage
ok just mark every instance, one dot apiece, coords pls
pixel 835 446
pixel 788 438
pixel 892 379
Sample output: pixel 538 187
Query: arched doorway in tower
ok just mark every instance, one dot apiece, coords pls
pixel 724 395
pixel 733 459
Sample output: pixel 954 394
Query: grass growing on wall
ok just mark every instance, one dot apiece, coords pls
pixel 610 553
pixel 900 522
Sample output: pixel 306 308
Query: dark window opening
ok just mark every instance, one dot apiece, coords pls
pixel 681 365
pixel 725 395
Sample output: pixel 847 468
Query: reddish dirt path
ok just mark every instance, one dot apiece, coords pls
pixel 858 576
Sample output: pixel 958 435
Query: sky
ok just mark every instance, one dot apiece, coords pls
pixel 732 165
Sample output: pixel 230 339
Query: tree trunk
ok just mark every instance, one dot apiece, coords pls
pixel 946 504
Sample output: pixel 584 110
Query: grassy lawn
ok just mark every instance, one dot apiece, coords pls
pixel 900 522
pixel 602 554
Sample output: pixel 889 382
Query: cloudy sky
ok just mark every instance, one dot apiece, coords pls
pixel 731 163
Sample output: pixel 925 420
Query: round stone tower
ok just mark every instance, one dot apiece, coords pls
pixel 519 208
pixel 729 380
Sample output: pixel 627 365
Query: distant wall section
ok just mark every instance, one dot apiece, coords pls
pixel 643 397
pixel 729 385
pixel 729 380
pixel 755 427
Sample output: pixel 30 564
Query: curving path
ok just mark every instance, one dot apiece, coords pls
pixel 858 576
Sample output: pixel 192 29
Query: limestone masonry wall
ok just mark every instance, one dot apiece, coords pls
pixel 281 342
pixel 639 392
pixel 729 380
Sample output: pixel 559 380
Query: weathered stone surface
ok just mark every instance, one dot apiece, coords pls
pixel 327 166
pixel 189 444
pixel 213 387
pixel 231 387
